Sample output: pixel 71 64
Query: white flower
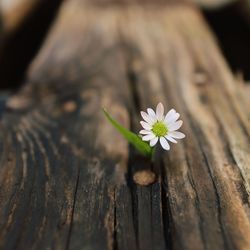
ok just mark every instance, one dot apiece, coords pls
pixel 156 126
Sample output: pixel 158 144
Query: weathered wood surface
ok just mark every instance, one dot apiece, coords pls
pixel 66 177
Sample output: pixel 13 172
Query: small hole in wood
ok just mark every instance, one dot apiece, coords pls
pixel 200 78
pixel 144 177
pixel 69 106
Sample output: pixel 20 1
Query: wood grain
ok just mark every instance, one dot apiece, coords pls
pixel 66 176
pixel 201 175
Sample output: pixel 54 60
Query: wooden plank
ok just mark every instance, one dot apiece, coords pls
pixel 69 201
pixel 177 62
pixel 66 177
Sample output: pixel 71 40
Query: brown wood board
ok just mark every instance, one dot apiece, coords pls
pixel 66 176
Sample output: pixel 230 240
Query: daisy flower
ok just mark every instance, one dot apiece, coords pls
pixel 158 127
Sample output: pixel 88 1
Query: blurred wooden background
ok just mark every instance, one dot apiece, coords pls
pixel 66 177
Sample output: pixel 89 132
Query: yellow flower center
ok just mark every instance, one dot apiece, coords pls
pixel 160 129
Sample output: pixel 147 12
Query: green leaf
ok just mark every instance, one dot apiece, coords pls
pixel 131 137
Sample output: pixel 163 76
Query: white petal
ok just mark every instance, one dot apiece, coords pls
pixel 169 114
pixel 153 141
pixel 159 111
pixel 145 132
pixel 176 125
pixel 164 143
pixel 168 137
pixel 177 135
pixel 146 117
pixel 145 125
pixel 172 118
pixel 152 114
pixel 148 137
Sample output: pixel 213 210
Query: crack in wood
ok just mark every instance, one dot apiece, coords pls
pixel 73 209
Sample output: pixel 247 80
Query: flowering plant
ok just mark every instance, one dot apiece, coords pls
pixel 157 127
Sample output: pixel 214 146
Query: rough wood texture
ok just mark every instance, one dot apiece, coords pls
pixel 66 177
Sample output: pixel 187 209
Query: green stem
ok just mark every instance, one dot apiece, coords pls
pixel 153 154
